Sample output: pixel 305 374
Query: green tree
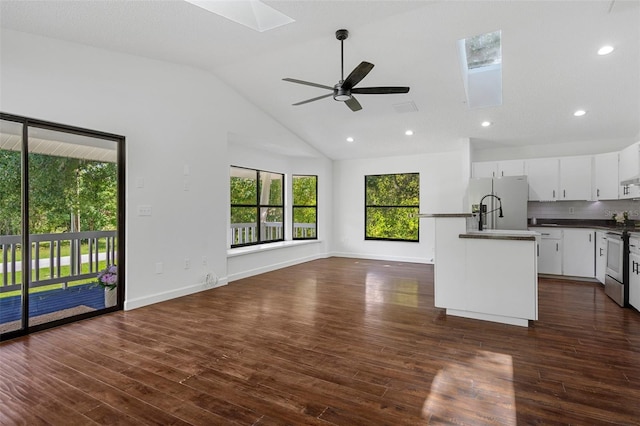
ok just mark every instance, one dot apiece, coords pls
pixel 10 193
pixel 392 204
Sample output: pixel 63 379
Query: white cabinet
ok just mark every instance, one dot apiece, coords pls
pixel 630 162
pixel 483 169
pixel 575 178
pixel 629 191
pixel 578 252
pixel 549 251
pixel 601 255
pixel 606 178
pixel 543 175
pixel 634 273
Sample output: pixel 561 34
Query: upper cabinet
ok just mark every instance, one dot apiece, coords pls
pixel 575 178
pixel 606 177
pixel 629 169
pixel 543 176
pixel 482 169
pixel 630 162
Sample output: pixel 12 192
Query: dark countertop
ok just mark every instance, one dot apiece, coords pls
pixel 604 225
pixel 439 215
pixel 494 234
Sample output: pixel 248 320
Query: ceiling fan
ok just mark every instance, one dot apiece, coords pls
pixel 343 91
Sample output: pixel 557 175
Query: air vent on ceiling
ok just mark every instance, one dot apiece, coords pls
pixel 405 107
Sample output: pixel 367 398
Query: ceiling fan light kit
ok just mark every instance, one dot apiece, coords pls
pixel 343 91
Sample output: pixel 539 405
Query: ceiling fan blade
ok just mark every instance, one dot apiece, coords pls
pixel 357 74
pixel 307 83
pixel 353 104
pixel 380 90
pixel 313 99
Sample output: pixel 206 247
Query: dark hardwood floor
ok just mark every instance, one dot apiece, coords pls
pixel 333 341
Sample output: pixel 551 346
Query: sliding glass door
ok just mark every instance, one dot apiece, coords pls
pixel 62 245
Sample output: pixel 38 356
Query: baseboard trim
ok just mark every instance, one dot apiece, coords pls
pixel 172 294
pixel 273 267
pixel 382 257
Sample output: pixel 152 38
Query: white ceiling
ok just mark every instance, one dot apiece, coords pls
pixel 550 65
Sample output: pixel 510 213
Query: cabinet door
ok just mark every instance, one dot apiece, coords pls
pixel 550 256
pixel 575 178
pixel 606 179
pixel 483 169
pixel 511 168
pixel 601 256
pixel 634 280
pixel 629 191
pixel 542 174
pixel 578 252
pixel 630 162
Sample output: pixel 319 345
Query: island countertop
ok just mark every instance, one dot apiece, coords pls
pixel 441 215
pixel 501 234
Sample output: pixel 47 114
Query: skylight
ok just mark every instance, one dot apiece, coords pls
pixel 253 13
pixel 483 50
pixel 481 67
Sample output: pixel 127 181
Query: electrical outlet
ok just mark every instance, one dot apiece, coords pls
pixel 159 268
pixel 571 210
pixel 144 210
pixel 204 260
pixel 187 263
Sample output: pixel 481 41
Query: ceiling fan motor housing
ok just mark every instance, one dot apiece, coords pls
pixel 340 94
pixel 342 34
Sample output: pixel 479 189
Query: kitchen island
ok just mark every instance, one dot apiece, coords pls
pixel 489 275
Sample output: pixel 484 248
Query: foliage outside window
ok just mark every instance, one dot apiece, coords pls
pixel 305 208
pixel 257 206
pixel 392 203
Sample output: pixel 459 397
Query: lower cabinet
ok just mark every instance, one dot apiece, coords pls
pixel 634 273
pixel 578 252
pixel 601 256
pixel 568 251
pixel 550 256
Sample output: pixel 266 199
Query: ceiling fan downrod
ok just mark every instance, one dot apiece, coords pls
pixel 342 36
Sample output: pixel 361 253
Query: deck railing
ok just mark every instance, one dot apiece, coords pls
pixel 246 233
pixel 98 246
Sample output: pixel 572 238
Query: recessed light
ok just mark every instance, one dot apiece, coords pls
pixel 486 124
pixel 409 133
pixel 350 139
pixel 580 113
pixel 605 50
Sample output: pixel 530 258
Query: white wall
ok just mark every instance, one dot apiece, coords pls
pixel 443 183
pixel 172 116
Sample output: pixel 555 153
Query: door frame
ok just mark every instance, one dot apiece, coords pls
pixel 26 253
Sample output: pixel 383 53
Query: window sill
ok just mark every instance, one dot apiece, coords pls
pixel 241 251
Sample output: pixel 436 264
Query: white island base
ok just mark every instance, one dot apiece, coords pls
pixel 488 275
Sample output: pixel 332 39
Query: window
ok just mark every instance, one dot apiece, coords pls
pixel 392 204
pixel 257 206
pixel 305 207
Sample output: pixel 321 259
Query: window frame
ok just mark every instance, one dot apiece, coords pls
pixel 368 206
pixel 295 206
pixel 259 207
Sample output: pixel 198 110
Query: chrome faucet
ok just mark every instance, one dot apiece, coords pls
pixel 482 206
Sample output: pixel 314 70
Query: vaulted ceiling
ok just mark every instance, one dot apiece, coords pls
pixel 549 59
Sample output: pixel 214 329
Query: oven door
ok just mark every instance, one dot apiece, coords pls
pixel 615 253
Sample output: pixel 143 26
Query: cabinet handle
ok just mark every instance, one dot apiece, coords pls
pixel 589 237
pixel 545 233
pixel 564 193
pixel 538 247
pixel 502 173
pixel 597 192
pixel 600 251
pixel 556 246
pixel 554 193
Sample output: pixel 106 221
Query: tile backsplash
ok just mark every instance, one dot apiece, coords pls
pixel 582 209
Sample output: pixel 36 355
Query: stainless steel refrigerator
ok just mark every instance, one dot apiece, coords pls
pixel 513 192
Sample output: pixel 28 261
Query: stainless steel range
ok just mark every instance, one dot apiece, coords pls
pixel 615 280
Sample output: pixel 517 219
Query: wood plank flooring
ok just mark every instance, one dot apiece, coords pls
pixel 331 342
